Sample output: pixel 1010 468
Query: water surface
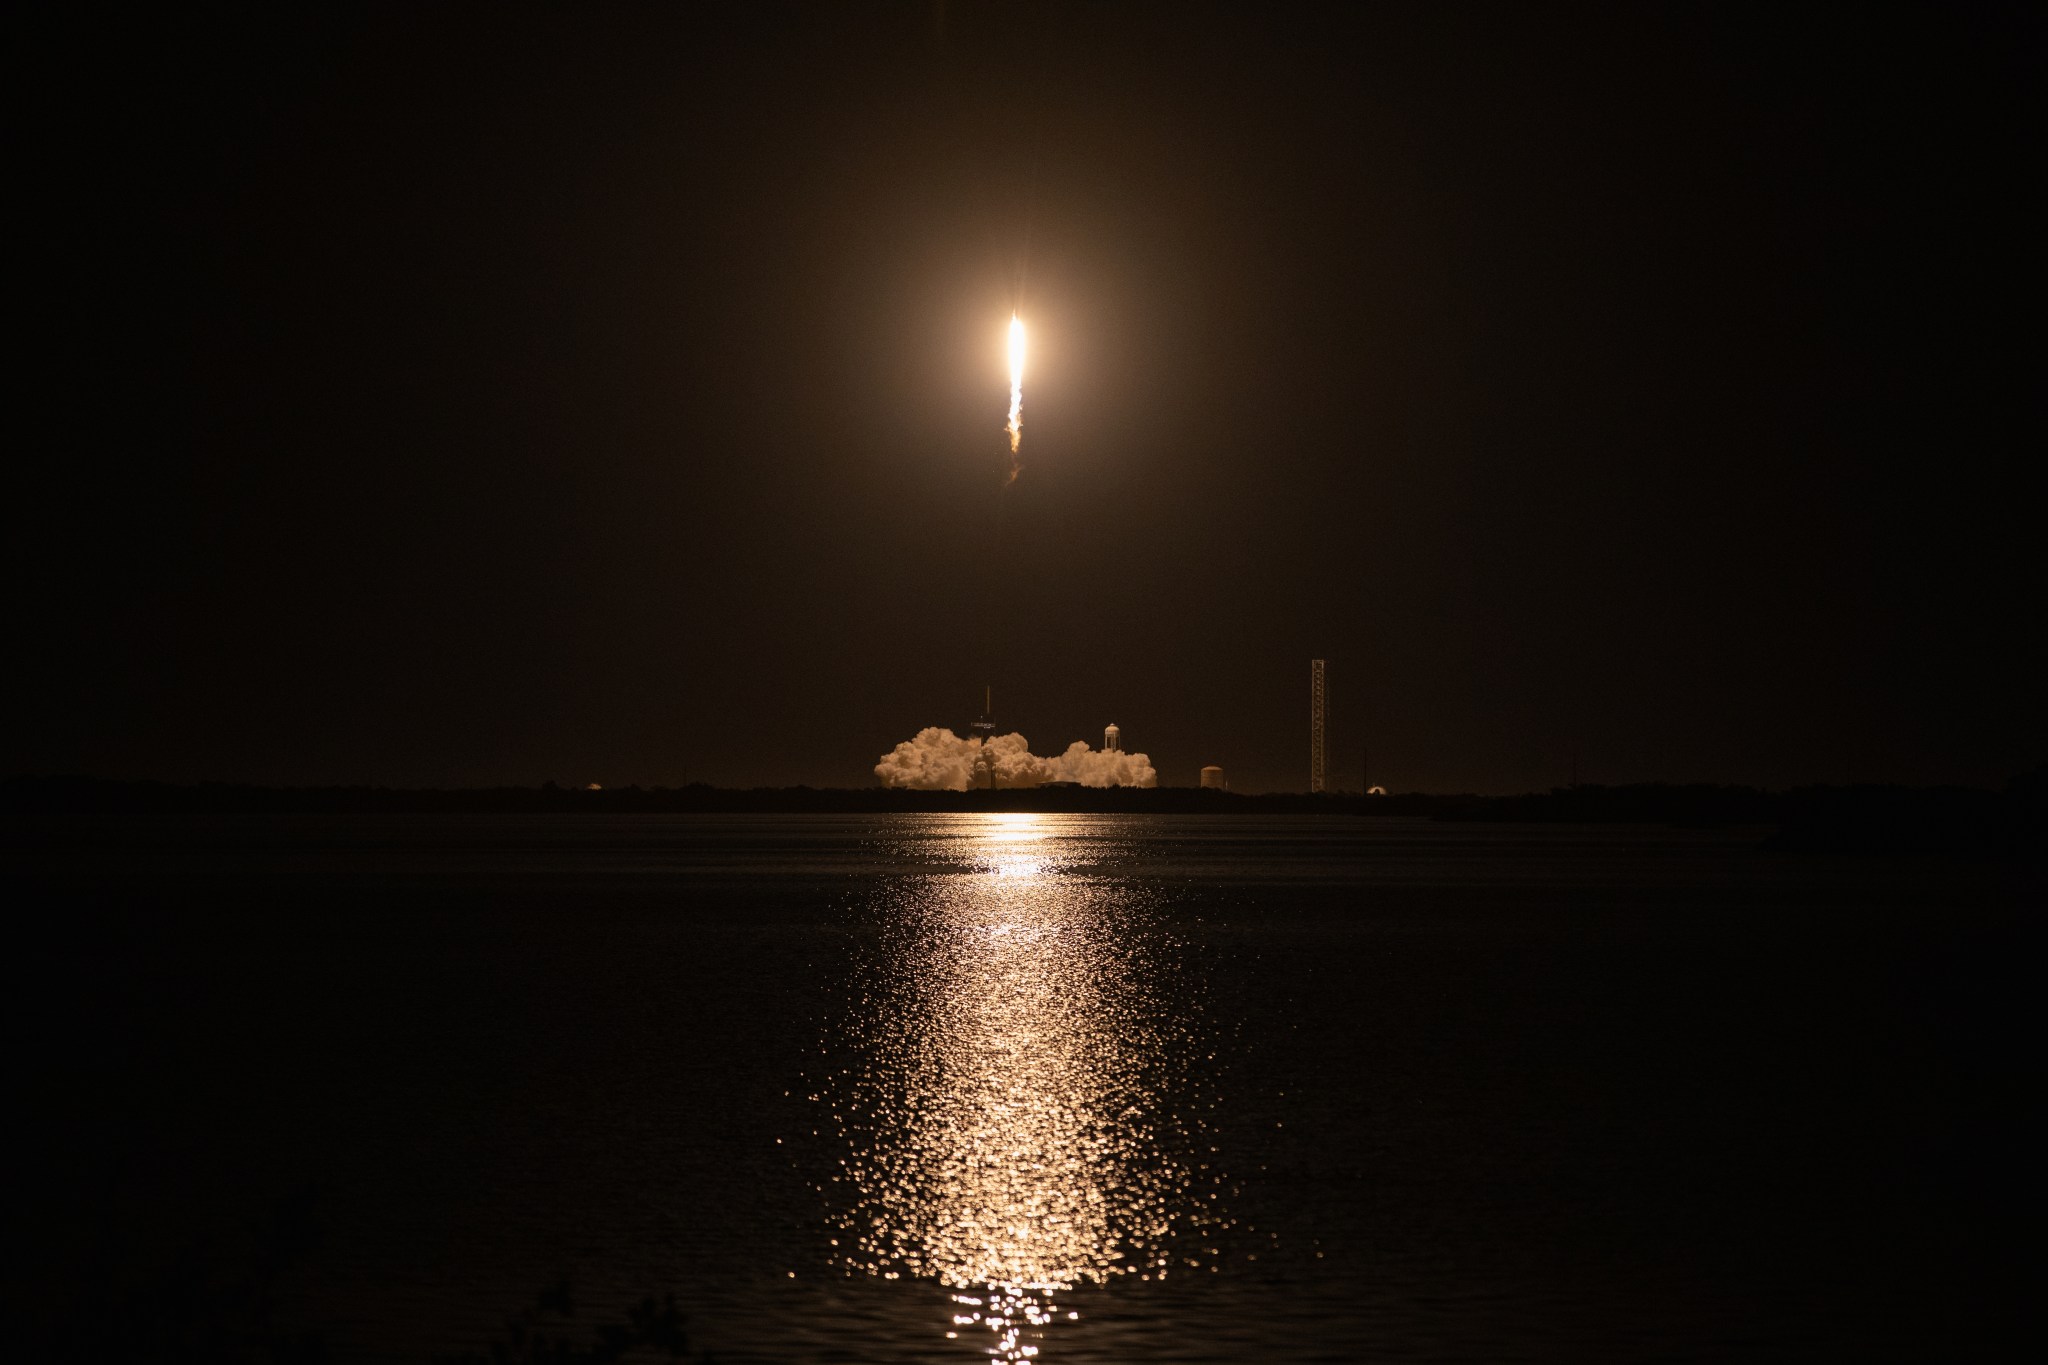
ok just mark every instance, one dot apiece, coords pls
pixel 1058 1088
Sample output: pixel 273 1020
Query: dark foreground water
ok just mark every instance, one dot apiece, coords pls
pixel 1058 1088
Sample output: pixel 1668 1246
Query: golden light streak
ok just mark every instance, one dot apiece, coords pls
pixel 1019 1120
pixel 1016 427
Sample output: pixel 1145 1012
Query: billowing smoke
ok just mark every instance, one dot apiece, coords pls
pixel 939 760
pixel 1102 767
pixel 936 761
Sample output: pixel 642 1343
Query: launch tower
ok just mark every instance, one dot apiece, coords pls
pixel 984 729
pixel 1318 716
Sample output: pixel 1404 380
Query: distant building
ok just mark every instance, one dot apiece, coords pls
pixel 1112 739
pixel 1212 776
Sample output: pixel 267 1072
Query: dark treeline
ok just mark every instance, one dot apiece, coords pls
pixel 1872 819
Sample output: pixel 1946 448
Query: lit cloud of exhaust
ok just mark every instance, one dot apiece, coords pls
pixel 939 760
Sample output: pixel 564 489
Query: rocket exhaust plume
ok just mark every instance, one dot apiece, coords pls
pixel 939 760
pixel 1016 427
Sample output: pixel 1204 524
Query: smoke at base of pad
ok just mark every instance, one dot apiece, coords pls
pixel 939 760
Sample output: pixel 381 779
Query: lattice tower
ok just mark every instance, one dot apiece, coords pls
pixel 1318 718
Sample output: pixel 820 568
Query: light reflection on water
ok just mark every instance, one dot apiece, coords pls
pixel 1019 1119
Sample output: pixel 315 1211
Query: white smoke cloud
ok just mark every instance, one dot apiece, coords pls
pixel 939 760
pixel 936 761
pixel 1010 758
pixel 1103 767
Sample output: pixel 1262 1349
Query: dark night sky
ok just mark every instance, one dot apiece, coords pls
pixel 474 396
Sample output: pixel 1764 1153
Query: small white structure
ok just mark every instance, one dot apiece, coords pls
pixel 1112 739
pixel 1212 776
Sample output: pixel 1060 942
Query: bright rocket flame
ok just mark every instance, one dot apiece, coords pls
pixel 1016 427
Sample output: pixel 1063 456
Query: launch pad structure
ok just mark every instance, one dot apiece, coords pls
pixel 983 729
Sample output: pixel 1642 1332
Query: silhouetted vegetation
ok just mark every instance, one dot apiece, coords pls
pixel 202 1309
pixel 543 1336
pixel 221 1305
pixel 1861 819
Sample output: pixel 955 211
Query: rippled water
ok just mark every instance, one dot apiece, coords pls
pixel 1023 1102
pixel 1033 1087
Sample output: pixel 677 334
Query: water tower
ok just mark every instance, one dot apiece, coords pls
pixel 1112 739
pixel 1212 777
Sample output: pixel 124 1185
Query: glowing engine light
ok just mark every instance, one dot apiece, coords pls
pixel 1016 427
